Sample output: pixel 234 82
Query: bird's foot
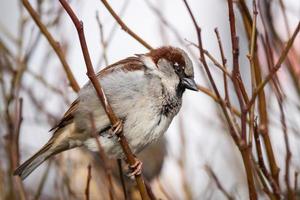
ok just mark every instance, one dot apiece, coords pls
pixel 136 168
pixel 116 129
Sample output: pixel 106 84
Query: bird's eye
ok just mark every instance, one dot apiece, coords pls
pixel 177 67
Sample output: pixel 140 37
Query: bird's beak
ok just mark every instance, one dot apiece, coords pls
pixel 189 83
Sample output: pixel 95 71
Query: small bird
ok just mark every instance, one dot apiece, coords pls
pixel 145 92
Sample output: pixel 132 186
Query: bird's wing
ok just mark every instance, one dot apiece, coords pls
pixel 127 65
pixel 68 116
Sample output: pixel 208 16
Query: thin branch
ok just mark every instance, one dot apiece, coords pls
pixel 217 64
pixel 218 183
pixel 224 61
pixel 101 95
pixel 122 179
pixel 103 43
pixel 261 162
pixel 88 180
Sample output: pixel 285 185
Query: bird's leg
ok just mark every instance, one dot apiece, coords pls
pixel 136 168
pixel 116 129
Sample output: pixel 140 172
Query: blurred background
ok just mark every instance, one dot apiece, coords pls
pixel 197 158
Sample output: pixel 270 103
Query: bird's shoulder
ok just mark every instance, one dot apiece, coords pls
pixel 129 64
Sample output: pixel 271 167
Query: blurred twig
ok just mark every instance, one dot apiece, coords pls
pixel 124 26
pixel 122 179
pixel 88 180
pixel 218 183
pixel 55 45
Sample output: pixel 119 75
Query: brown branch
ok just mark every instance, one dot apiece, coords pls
pixel 124 26
pixel 243 99
pixel 290 191
pixel 88 180
pixel 103 43
pixel 277 66
pixel 296 182
pixel 236 76
pixel 217 64
pixel 54 44
pixel 101 95
pixel 119 161
pixel 262 103
pixel 261 162
pixel 224 61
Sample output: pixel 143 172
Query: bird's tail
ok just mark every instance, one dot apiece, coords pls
pixel 37 159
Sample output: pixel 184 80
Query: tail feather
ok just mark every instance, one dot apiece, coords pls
pixel 37 159
pixel 60 141
pixel 32 163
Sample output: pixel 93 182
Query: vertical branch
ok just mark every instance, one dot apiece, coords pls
pixel 15 147
pixel 103 43
pixel 290 191
pixel 122 179
pixel 261 162
pixel 224 61
pixel 262 106
pixel 101 95
pixel 253 44
pixel 88 180
pixel 236 77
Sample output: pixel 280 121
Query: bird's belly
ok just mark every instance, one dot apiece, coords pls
pixel 139 134
pixel 146 132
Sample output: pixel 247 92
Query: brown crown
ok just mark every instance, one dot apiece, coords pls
pixel 169 53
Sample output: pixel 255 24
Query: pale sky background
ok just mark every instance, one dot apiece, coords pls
pixel 207 143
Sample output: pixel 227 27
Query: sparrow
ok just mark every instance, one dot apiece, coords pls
pixel 145 91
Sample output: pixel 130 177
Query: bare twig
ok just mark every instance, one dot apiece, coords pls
pixel 88 180
pixel 218 65
pixel 218 183
pixel 224 61
pixel 122 179
pixel 261 162
pixel 102 40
